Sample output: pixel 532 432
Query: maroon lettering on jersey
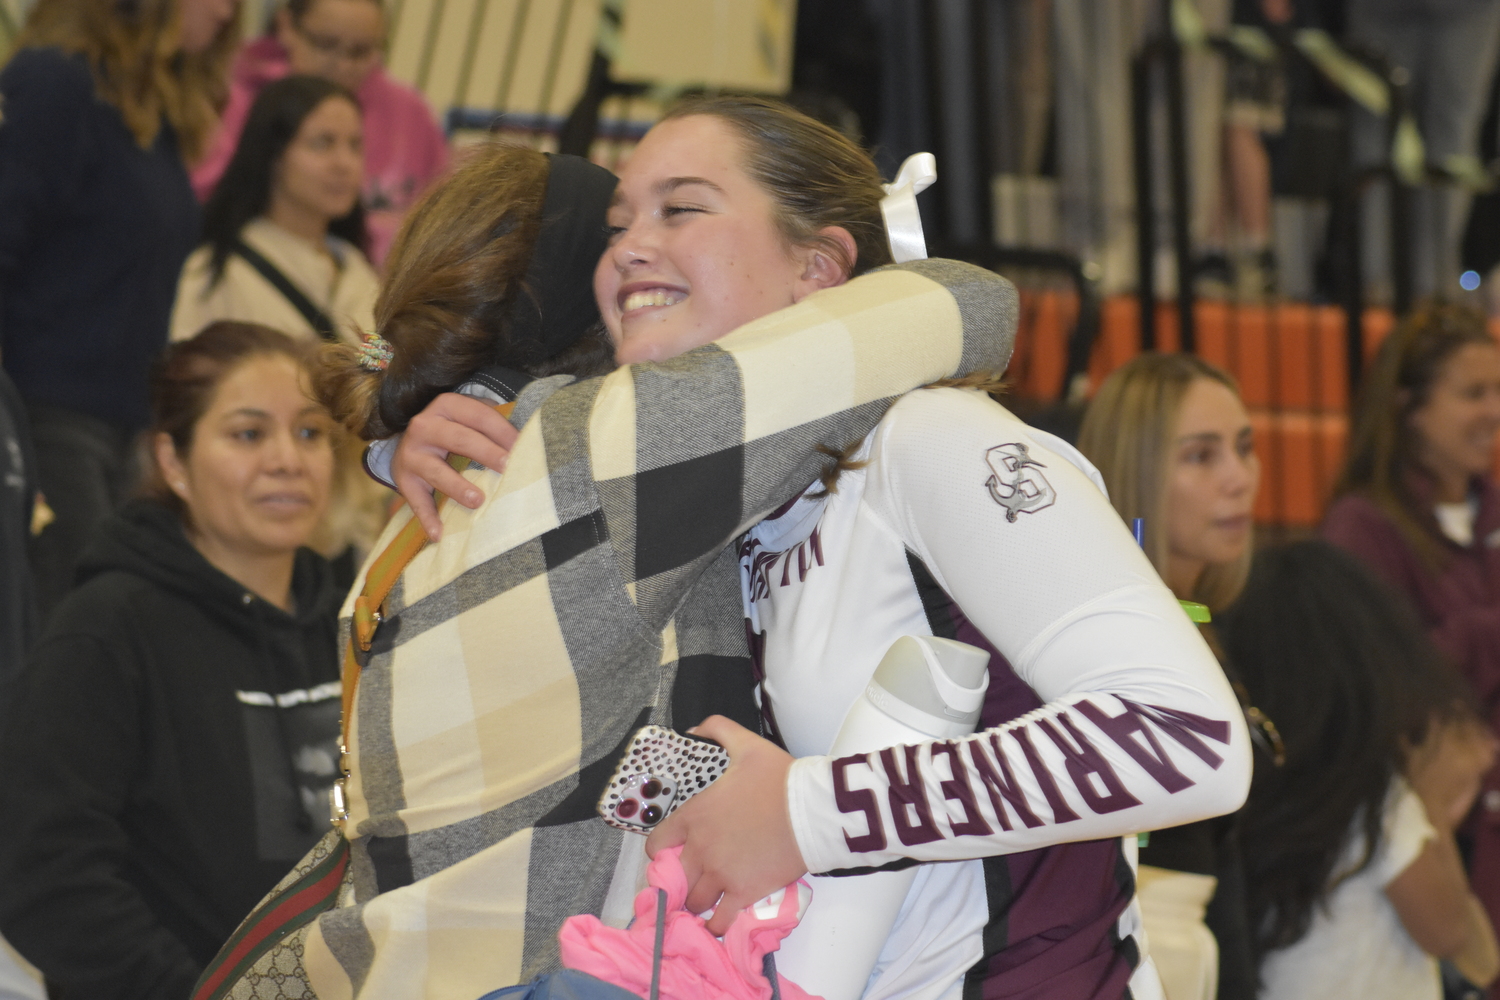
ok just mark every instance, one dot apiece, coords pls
pixel 1123 729
pixel 1182 725
pixel 760 565
pixel 1061 811
pixel 858 800
pixel 1001 784
pixel 958 789
pixel 1084 760
pixel 909 793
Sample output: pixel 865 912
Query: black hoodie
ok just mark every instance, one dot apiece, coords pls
pixel 164 759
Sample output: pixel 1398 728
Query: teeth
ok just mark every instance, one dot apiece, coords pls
pixel 640 300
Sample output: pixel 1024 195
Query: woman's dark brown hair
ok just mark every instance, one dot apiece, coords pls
pixel 189 373
pixel 1382 444
pixel 457 264
pixel 138 64
pixel 1348 673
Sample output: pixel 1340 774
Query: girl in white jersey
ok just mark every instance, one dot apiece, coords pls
pixel 1124 720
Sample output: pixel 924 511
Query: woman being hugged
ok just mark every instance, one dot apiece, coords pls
pixel 695 249
pixel 169 746
pixel 105 104
pixel 1416 503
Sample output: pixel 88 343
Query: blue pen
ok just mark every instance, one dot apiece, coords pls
pixel 1138 529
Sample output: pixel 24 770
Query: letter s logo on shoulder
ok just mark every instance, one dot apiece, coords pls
pixel 1015 483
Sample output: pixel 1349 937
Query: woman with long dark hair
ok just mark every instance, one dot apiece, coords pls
pixel 1354 882
pixel 1416 503
pixel 283 231
pixel 343 41
pixel 104 105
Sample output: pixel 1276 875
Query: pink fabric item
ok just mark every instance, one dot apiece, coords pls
pixel 405 150
pixel 695 964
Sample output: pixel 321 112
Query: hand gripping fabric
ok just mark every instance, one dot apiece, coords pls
pixel 676 957
pixel 313 887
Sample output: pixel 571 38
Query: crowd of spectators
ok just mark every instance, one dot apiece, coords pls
pixel 199 243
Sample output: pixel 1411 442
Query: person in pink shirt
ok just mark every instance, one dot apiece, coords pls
pixel 341 40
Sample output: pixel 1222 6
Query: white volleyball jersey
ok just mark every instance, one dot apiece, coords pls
pixel 1107 712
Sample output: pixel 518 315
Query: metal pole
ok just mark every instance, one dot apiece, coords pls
pixel 1353 290
pixel 1401 203
pixel 1145 195
pixel 1181 192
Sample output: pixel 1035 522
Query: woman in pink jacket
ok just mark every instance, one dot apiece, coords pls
pixel 341 40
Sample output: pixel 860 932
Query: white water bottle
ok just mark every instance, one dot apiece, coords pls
pixel 924 688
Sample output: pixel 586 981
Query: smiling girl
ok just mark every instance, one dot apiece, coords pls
pixel 1417 504
pixel 711 226
pixel 169 746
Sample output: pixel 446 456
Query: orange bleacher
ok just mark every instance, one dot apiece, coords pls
pixel 1289 359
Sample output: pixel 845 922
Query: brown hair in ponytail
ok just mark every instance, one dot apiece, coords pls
pixel 456 265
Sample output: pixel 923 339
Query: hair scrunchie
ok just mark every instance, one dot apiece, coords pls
pixel 374 352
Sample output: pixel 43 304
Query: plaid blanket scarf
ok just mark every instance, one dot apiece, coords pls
pixel 593 592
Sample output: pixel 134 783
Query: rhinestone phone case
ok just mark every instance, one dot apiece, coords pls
pixel 660 771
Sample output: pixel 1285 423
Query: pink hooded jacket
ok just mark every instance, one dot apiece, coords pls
pixel 404 149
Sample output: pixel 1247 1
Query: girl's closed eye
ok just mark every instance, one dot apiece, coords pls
pixel 668 211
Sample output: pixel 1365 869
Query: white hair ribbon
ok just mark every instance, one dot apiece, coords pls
pixel 903 223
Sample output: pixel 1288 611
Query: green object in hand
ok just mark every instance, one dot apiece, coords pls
pixel 1197 612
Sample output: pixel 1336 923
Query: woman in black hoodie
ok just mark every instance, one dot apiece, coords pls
pixel 167 751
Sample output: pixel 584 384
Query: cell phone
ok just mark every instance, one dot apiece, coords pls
pixel 661 769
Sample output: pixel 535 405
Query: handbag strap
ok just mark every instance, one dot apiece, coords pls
pixel 369 610
pixel 316 318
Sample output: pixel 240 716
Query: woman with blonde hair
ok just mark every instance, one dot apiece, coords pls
pixel 105 103
pixel 1171 437
pixel 1150 456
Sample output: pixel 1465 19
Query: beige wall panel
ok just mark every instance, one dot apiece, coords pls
pixel 491 53
pixel 445 62
pixel 739 44
pixel 409 39
pixel 533 57
pixel 575 56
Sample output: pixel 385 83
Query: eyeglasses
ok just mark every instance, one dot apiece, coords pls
pixel 333 47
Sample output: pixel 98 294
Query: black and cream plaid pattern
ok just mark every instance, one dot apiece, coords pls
pixel 520 653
